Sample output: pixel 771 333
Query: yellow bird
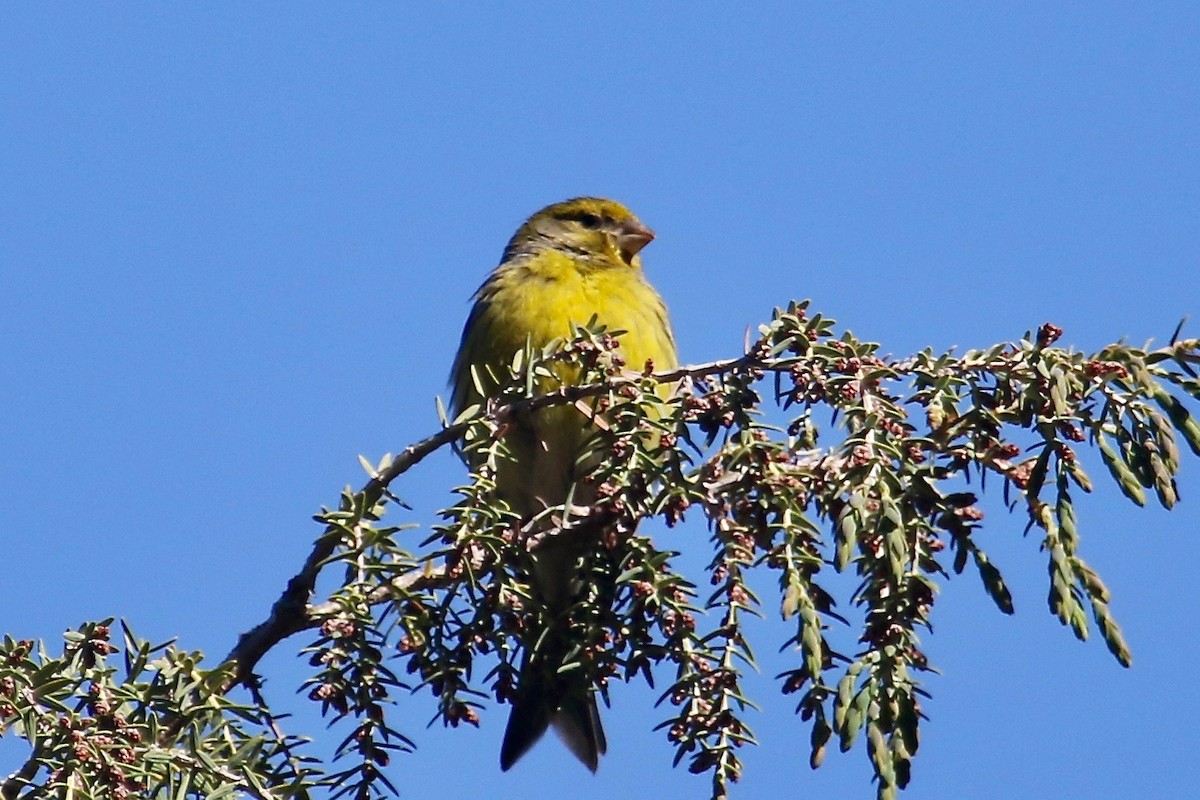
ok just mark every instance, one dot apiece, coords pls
pixel 567 263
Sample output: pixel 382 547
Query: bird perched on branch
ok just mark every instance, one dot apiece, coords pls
pixel 566 264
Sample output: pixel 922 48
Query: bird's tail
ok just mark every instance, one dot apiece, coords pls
pixel 555 687
pixel 554 693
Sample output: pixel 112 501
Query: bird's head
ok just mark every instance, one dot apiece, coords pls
pixel 586 228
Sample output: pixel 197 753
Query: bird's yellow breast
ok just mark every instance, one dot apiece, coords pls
pixel 543 298
pixel 537 301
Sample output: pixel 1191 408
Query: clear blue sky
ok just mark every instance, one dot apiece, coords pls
pixel 237 242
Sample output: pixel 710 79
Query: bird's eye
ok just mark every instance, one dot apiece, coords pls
pixel 589 220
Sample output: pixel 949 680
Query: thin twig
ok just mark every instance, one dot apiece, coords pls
pixel 21 778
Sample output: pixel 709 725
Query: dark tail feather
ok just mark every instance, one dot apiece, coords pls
pixel 577 723
pixel 547 697
pixel 553 690
pixel 526 724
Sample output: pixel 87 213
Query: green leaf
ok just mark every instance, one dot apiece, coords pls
pixel 994 583
pixel 819 738
pixel 1126 480
pixel 1183 421
pixel 791 601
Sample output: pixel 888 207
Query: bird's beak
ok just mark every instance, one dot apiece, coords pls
pixel 632 237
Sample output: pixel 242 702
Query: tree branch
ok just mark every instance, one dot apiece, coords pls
pixel 291 613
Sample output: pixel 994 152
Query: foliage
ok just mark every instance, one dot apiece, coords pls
pixel 152 727
pixel 891 498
